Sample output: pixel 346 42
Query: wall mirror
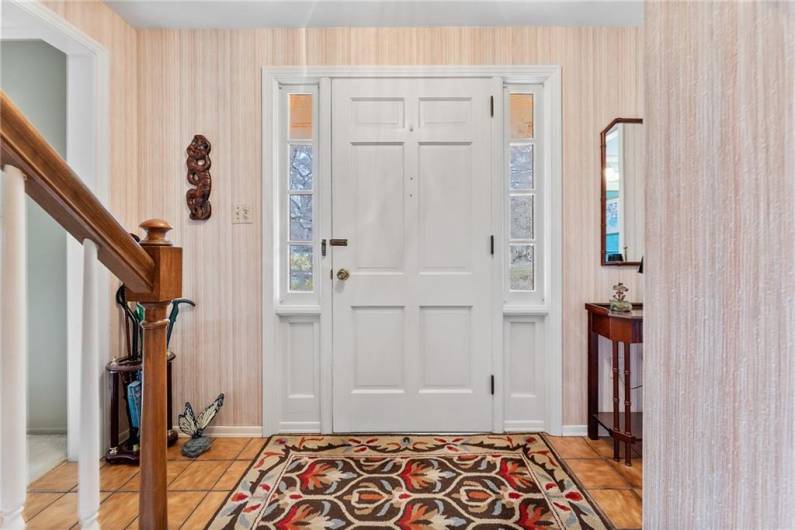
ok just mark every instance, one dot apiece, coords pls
pixel 622 192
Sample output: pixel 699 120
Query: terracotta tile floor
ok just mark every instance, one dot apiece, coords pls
pixel 614 487
pixel 196 489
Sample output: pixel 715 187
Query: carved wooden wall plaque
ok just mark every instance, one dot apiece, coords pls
pixel 198 161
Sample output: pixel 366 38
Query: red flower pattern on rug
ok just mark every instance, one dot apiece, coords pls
pixel 409 483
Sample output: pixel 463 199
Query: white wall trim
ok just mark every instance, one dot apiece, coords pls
pixel 46 431
pixel 270 240
pixel 518 310
pixel 87 152
pixel 524 426
pixel 527 74
pixel 574 430
pixel 286 310
pixel 229 431
pixel 547 75
pixel 553 258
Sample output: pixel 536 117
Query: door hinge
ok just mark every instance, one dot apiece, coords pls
pixel 492 106
pixel 491 245
pixel 492 384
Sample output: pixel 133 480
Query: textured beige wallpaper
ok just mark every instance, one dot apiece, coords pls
pixel 169 85
pixel 720 271
pixel 208 82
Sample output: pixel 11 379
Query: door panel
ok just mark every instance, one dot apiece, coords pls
pixel 378 348
pixel 380 113
pixel 445 207
pixel 411 193
pixel 379 206
pixel 445 349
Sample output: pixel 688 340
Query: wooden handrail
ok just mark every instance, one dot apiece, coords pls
pixel 63 195
pixel 151 270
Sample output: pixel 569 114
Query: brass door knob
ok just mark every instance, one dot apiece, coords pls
pixel 343 275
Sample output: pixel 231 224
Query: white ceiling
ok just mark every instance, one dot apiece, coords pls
pixel 329 13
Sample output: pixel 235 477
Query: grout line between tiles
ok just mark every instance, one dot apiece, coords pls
pixel 578 481
pixel 194 509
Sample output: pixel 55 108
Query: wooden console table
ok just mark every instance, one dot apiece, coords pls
pixel 625 328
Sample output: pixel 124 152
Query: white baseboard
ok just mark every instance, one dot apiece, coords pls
pixel 241 431
pixel 575 430
pixel 230 431
pixel 46 430
pixel 523 426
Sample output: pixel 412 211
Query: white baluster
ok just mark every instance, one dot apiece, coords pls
pixel 90 374
pixel 13 352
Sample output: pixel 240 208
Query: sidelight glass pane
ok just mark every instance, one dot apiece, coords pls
pixel 300 268
pixel 300 127
pixel 522 167
pixel 522 267
pixel 300 167
pixel 522 217
pixel 300 217
pixel 521 116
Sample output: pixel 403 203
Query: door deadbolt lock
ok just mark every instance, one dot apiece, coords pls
pixel 343 274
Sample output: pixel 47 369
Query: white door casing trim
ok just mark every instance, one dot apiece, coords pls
pixel 87 152
pixel 274 313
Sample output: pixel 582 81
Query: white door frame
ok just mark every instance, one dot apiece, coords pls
pixel 87 153
pixel 273 309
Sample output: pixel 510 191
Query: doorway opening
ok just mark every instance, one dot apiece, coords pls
pixel 84 145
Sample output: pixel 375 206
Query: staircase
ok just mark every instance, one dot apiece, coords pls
pixel 152 272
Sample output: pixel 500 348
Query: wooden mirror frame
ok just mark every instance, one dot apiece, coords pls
pixel 603 201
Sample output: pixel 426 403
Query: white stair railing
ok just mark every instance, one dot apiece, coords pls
pixel 90 376
pixel 13 352
pixel 152 270
pixel 13 368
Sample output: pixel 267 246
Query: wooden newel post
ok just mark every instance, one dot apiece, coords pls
pixel 167 286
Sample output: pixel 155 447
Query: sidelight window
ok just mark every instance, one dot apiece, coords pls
pixel 522 152
pixel 299 174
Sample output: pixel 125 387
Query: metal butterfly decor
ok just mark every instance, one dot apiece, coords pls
pixel 194 427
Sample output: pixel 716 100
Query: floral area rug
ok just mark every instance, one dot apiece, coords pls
pixel 407 482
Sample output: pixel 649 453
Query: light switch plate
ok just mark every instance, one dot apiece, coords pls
pixel 241 214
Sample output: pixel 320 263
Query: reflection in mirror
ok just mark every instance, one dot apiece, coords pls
pixel 622 192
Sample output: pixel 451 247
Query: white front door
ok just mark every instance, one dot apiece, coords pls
pixel 411 194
